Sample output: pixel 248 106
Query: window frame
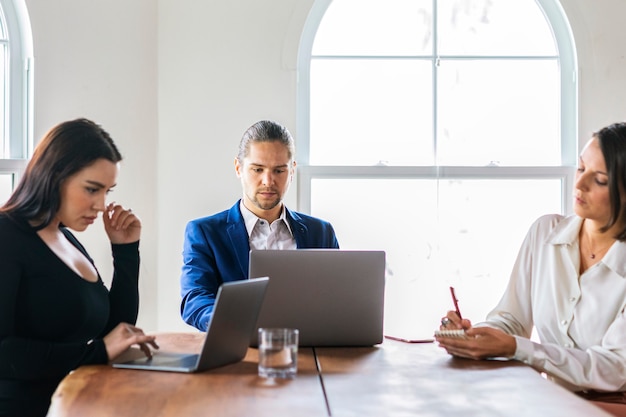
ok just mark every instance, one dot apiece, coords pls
pixel 568 124
pixel 18 87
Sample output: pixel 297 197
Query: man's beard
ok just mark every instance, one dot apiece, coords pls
pixel 266 205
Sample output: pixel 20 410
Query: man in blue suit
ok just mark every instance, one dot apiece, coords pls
pixel 217 247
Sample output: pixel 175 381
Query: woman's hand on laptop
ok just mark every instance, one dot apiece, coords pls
pixel 123 336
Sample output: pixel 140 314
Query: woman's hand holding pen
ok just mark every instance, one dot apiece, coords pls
pixel 452 321
pixel 480 343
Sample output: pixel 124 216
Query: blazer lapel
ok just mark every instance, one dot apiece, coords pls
pixel 298 228
pixel 238 235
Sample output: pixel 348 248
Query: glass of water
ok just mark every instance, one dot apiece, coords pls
pixel 278 352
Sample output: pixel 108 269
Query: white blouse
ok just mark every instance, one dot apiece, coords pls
pixel 579 318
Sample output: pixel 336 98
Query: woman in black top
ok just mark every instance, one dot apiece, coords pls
pixel 55 311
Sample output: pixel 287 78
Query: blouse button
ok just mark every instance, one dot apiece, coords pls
pixel 563 322
pixel 572 299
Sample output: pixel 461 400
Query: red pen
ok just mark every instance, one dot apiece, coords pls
pixel 456 303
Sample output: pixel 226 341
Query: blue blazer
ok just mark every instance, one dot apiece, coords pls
pixel 216 250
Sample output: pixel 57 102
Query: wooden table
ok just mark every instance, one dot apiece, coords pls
pixel 399 379
pixel 391 379
pixel 234 390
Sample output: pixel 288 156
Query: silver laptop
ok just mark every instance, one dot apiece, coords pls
pixel 234 316
pixel 334 297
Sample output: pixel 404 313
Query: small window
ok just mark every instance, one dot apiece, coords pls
pixel 15 93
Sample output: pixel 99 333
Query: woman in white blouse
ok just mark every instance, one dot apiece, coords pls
pixel 569 282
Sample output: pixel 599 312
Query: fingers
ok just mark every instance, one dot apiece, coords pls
pixel 482 342
pixel 138 334
pixel 452 321
pixel 154 344
pixel 137 337
pixel 457 347
pixel 118 217
pixel 121 225
pixel 125 335
pixel 461 353
pixel 145 349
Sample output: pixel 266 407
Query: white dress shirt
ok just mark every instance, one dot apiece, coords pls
pixel 263 235
pixel 579 318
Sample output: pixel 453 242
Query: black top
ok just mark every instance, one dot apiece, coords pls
pixel 51 319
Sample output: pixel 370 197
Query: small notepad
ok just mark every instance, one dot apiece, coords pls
pixel 459 334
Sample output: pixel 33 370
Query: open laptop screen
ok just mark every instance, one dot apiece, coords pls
pixel 334 297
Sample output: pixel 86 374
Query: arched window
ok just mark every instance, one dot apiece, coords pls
pixel 15 93
pixel 436 130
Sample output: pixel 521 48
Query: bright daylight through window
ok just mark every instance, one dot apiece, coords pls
pixel 15 93
pixel 436 130
pixel 6 179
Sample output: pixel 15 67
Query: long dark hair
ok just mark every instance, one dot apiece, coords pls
pixel 66 149
pixel 612 140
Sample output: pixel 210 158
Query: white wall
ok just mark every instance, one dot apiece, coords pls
pixel 221 68
pixel 598 32
pixel 98 59
pixel 176 82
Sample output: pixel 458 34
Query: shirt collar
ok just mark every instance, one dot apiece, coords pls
pixel 251 219
pixel 566 233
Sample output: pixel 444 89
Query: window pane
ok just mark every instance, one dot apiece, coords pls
pixel 503 112
pixel 493 27
pixel 374 27
pixel 436 233
pixel 4 140
pixel 368 112
pixel 6 187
